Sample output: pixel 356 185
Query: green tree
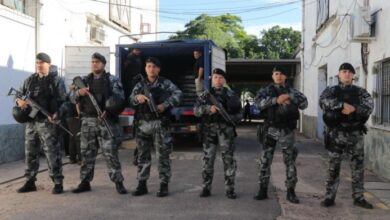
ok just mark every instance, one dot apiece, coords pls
pixel 279 43
pixel 228 33
pixel 225 30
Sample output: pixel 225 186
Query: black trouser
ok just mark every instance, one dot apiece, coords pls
pixel 74 125
pixel 247 115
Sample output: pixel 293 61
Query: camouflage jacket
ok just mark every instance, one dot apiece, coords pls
pixel 57 86
pixel 203 104
pixel 330 101
pixel 174 94
pixel 265 98
pixel 115 87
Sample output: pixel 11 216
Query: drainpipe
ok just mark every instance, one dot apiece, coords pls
pixel 364 51
pixel 37 25
pixel 302 62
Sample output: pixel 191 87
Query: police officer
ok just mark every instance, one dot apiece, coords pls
pixel 104 87
pixel 48 90
pixel 281 104
pixel 218 131
pixel 153 128
pixel 346 109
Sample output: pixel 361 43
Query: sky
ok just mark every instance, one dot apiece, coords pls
pixel 256 15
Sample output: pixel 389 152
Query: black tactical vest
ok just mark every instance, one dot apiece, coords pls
pixel 42 90
pixel 222 97
pixel 282 116
pixel 159 96
pixel 100 89
pixel 350 95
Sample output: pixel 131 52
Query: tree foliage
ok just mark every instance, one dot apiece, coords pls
pixel 228 33
pixel 279 43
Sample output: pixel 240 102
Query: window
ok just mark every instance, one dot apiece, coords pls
pixel 120 13
pixel 18 5
pixel 322 12
pixel 382 95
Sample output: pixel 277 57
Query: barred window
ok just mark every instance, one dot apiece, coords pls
pixel 382 95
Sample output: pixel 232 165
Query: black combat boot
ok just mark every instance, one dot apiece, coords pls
pixel 58 189
pixel 363 203
pixel 262 194
pixel 231 194
pixel 84 186
pixel 141 189
pixel 29 186
pixel 205 193
pixel 120 188
pixel 291 196
pixel 327 203
pixel 163 190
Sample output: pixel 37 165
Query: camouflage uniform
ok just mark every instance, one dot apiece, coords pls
pixel 94 133
pixel 346 137
pixel 281 133
pixel 216 131
pixel 153 131
pixel 39 131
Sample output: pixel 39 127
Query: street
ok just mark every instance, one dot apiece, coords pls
pixel 103 202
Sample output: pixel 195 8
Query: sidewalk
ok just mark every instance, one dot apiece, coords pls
pixel 311 166
pixel 312 172
pixel 15 170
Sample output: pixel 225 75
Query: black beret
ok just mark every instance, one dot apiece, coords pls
pixel 43 57
pixel 280 69
pixel 219 72
pixel 99 57
pixel 347 66
pixel 153 60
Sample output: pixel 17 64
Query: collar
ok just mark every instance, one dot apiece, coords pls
pixel 98 76
pixel 152 83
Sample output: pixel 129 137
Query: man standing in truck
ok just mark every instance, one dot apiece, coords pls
pixel 199 70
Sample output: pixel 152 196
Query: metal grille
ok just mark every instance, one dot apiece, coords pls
pixel 383 95
pixel 386 93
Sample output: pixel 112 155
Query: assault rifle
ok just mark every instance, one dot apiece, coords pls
pixel 221 110
pixel 35 108
pixel 78 82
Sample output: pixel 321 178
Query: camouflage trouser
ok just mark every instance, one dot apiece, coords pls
pixel 152 134
pixel 285 139
pixel 93 135
pixel 223 135
pixel 352 143
pixel 37 134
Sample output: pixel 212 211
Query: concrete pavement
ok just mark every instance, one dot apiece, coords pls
pixel 183 203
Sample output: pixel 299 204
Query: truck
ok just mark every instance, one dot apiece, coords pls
pixel 177 61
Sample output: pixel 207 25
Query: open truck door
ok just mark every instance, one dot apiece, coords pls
pixel 178 66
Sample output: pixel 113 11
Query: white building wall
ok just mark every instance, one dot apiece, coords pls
pixel 16 56
pixel 16 64
pixel 149 16
pixel 62 23
pixel 65 23
pixel 330 47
